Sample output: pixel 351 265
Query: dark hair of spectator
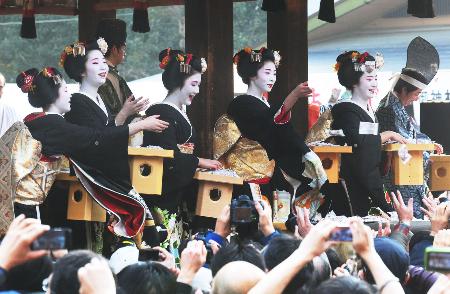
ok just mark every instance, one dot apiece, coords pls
pixel 235 251
pixel 29 276
pixel 43 90
pixel 147 277
pixel 172 77
pixel 347 284
pixel 334 258
pixel 65 271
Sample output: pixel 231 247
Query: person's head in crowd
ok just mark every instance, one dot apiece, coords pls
pixel 85 62
pixel 236 277
pixel 345 284
pixel 114 31
pixel 322 270
pixel 147 277
pixel 358 73
pixel 46 89
pixel 394 257
pixel 257 67
pixel 334 258
pixel 2 84
pixel 123 257
pixel 64 278
pixel 29 276
pixel 182 74
pixel 235 251
pixel 405 89
pixel 280 248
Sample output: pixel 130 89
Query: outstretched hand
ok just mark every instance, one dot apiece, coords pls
pixel 405 213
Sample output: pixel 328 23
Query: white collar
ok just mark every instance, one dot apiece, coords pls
pixel 183 113
pixel 54 113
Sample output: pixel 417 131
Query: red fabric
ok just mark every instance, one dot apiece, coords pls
pixel 33 116
pixel 313 114
pixel 260 181
pixel 282 116
pixel 47 158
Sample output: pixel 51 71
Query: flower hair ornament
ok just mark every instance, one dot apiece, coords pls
pixel 102 45
pixel 277 58
pixel 257 56
pixel 361 64
pixel 204 65
pixel 165 60
pixel 78 49
pixel 27 83
pixel 185 67
pixel 49 73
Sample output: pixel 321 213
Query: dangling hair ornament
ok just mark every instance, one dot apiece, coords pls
pixel 255 56
pixel 49 73
pixel 204 65
pixel 361 64
pixel 185 67
pixel 277 58
pixel 27 83
pixel 102 45
pixel 78 49
pixel 165 60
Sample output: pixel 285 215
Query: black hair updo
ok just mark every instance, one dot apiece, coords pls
pixel 171 62
pixel 247 66
pixel 75 64
pixel 347 74
pixel 42 86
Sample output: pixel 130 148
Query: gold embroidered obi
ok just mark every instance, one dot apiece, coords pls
pixel 246 157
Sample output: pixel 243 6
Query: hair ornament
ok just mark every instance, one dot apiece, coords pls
pixel 255 56
pixel 248 50
pixel 102 45
pixel 49 73
pixel 185 67
pixel 204 65
pixel 165 60
pixel 27 83
pixel 77 49
pixel 277 58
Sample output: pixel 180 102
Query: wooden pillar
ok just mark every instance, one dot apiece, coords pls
pixel 209 34
pixel 287 31
pixel 88 19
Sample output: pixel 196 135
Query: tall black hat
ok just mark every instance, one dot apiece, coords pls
pixel 113 30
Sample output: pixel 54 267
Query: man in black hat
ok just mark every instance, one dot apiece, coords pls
pixel 115 91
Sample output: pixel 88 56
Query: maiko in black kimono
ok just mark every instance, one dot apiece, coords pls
pixel 360 169
pixel 269 125
pixel 85 112
pixel 180 137
pixel 89 149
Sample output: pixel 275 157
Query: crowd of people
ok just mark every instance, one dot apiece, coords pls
pixel 141 250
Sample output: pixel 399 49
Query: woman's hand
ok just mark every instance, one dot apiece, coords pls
pixel 302 90
pixel 153 124
pixel 134 105
pixel 209 163
pixel 438 148
pixel 392 136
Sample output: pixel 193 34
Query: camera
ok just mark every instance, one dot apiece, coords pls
pixel 148 254
pixel 243 211
pixel 209 253
pixel 341 234
pixel 437 259
pixel 53 239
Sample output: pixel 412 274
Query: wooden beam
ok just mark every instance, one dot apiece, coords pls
pixel 129 4
pixel 209 33
pixel 287 31
pixel 89 18
pixel 41 10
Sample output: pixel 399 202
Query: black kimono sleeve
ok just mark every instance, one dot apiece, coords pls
pixel 178 171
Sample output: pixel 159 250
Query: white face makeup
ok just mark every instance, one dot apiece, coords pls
pixel 368 85
pixel 62 103
pixel 96 68
pixel 190 89
pixel 266 77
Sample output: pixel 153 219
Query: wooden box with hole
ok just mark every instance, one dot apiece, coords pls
pixel 146 168
pixel 440 173
pixel 80 205
pixel 214 192
pixel 411 172
pixel 330 155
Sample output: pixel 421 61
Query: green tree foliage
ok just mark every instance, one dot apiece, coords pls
pixel 167 30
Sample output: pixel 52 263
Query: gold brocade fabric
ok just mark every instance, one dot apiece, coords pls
pixel 320 130
pixel 33 177
pixel 246 157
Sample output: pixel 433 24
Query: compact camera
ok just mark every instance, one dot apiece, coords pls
pixel 437 259
pixel 53 239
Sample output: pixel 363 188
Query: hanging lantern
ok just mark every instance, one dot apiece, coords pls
pixel 326 11
pixel 273 5
pixel 28 28
pixel 141 23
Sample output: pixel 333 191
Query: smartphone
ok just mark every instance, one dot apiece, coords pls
pixel 341 234
pixel 53 239
pixel 148 254
pixel 437 259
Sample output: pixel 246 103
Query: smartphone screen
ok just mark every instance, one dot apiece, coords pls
pixel 438 261
pixel 341 234
pixel 148 254
pixel 56 238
